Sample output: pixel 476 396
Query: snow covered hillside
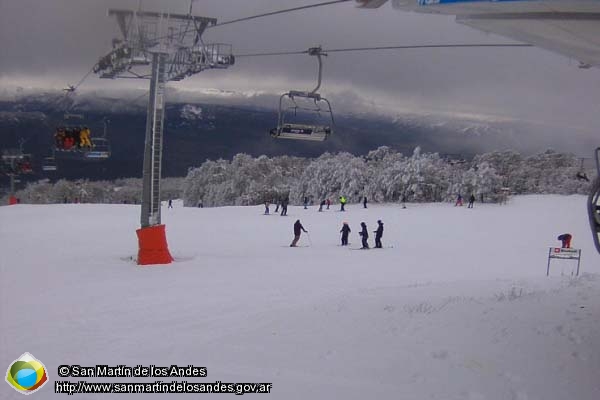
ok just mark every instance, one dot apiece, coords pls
pixel 456 306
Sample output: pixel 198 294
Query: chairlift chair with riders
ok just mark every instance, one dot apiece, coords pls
pixel 67 143
pixel 318 105
pixel 16 162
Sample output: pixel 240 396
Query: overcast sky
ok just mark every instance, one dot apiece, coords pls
pixel 51 43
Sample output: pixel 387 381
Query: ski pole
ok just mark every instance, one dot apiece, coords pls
pixel 309 241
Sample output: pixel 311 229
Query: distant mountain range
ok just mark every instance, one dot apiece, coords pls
pixel 219 125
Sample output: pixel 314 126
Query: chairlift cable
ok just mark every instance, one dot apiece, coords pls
pixel 240 20
pixel 84 77
pixel 280 53
pixel 284 11
pixel 279 12
pixel 135 100
pixel 403 47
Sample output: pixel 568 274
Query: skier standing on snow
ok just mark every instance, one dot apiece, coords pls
pixel 378 235
pixel 284 204
pixel 170 203
pixel 305 202
pixel 345 231
pixel 364 235
pixel 471 201
pixel 458 201
pixel 321 205
pixel 365 202
pixel 267 207
pixel 328 202
pixel 298 228
pixel 342 203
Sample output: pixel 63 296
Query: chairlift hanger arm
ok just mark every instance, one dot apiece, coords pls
pixel 316 51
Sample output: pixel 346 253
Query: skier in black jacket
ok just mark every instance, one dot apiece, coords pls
pixel 345 231
pixel 365 235
pixel 298 228
pixel 321 205
pixel 471 201
pixel 378 235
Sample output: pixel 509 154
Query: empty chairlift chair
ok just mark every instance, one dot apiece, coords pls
pixel 49 164
pixel 307 104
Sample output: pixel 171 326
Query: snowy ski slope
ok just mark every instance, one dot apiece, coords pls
pixel 459 308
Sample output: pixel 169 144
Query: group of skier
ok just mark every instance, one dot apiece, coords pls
pixel 283 204
pixel 72 138
pixel 325 202
pixel 459 201
pixel 345 231
pixel 364 234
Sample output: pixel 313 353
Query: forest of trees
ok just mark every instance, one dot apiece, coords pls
pixel 120 191
pixel 383 175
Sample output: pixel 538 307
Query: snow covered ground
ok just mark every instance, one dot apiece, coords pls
pixel 459 308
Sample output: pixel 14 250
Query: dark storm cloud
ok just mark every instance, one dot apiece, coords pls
pixel 56 42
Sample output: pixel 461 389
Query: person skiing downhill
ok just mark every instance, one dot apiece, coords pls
pixel 378 235
pixel 345 231
pixel 364 235
pixel 298 228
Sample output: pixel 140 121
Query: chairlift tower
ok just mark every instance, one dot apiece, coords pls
pixel 160 47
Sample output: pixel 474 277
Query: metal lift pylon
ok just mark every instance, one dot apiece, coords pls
pixel 172 46
pixel 153 248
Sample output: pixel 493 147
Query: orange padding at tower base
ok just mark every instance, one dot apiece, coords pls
pixel 153 246
pixel 12 200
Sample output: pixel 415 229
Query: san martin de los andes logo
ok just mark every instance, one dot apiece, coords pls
pixel 26 374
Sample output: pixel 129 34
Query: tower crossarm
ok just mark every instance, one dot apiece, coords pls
pixel 177 36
